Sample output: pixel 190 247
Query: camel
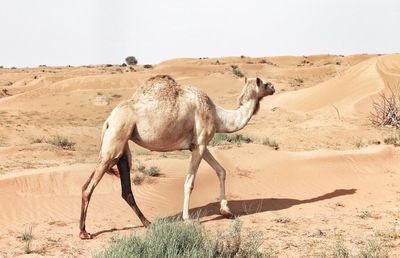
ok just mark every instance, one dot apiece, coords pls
pixel 164 116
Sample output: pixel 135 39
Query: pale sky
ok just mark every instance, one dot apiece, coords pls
pixel 78 32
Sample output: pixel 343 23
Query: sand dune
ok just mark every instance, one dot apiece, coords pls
pixel 346 90
pixel 43 194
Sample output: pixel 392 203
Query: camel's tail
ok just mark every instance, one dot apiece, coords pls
pixel 111 171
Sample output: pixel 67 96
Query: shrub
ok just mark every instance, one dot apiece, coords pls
pixel 223 138
pixel 281 219
pixel 123 65
pixel 236 71
pixel 374 248
pixel 131 60
pixel 26 236
pixel 116 96
pixel 37 140
pixel 299 80
pixel 109 65
pixel 147 66
pixel 62 142
pixel 339 250
pixel 137 178
pixel 167 238
pixel 386 109
pixel 271 143
pixel 152 171
pixel 392 140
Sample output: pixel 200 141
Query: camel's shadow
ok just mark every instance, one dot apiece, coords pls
pixel 253 206
pixel 246 207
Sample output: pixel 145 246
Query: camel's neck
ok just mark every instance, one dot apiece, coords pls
pixel 229 121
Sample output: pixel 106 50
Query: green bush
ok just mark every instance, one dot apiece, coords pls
pixel 61 141
pixel 147 66
pixel 236 71
pixel 271 143
pixel 137 178
pixel 223 138
pixel 152 171
pixel 172 239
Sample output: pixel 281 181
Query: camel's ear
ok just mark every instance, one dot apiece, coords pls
pixel 245 79
pixel 259 82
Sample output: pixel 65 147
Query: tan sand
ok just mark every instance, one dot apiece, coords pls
pixel 328 173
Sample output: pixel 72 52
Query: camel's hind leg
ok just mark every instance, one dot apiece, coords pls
pixel 87 191
pixel 115 136
pixel 209 158
pixel 124 165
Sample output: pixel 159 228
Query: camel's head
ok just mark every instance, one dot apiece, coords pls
pixel 255 88
pixel 264 89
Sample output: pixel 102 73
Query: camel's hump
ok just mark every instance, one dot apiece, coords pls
pixel 161 78
pixel 162 87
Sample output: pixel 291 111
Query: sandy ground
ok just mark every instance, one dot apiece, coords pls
pixel 331 178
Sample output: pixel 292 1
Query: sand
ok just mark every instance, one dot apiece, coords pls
pixel 330 178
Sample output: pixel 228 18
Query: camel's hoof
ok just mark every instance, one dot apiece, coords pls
pixel 85 235
pixel 226 212
pixel 146 223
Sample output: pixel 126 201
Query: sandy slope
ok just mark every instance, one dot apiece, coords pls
pixel 318 188
pixel 260 182
pixel 346 91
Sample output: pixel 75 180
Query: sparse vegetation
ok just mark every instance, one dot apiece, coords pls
pixel 374 248
pixel 339 250
pixel 236 71
pixel 360 143
pixel 365 214
pixel 137 178
pixel 271 143
pixel 61 141
pixel 152 171
pixel 141 168
pixel 26 236
pixel 223 138
pixel 281 219
pixel 116 96
pixel 387 109
pixel 131 60
pixel 147 66
pixel 37 140
pixel 263 61
pixel 299 80
pixel 394 140
pixel 179 239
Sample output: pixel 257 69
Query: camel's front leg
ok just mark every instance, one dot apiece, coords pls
pixel 197 155
pixel 209 158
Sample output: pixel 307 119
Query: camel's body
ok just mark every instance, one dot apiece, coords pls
pixel 165 119
pixel 163 116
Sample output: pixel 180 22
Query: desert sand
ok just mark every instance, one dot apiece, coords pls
pixel 332 176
